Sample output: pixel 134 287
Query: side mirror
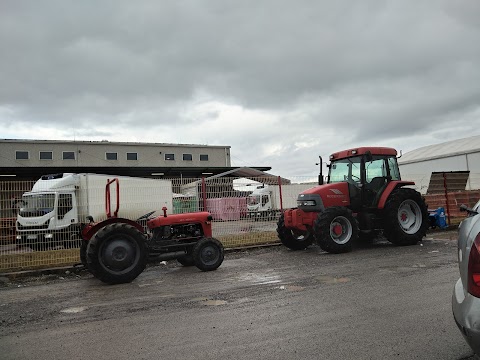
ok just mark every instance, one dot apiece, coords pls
pixel 463 207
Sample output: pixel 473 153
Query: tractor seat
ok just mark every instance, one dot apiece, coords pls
pixel 376 183
pixel 374 190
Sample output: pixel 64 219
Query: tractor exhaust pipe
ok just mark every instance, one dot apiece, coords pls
pixel 167 256
pixel 320 175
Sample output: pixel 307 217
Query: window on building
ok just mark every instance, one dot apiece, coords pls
pixel 68 155
pixel 111 156
pixel 187 157
pixel 46 155
pixel 132 156
pixel 204 157
pixel 22 155
pixel 169 156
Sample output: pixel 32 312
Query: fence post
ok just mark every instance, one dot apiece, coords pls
pixel 280 192
pixel 446 196
pixel 204 194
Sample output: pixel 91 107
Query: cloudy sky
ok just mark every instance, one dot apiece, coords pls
pixel 281 82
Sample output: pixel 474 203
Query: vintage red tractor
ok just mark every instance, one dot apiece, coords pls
pixel 117 250
pixel 364 195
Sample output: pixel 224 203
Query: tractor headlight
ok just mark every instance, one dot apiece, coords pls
pixel 306 203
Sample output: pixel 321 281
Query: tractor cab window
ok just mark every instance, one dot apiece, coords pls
pixel 393 166
pixel 375 169
pixel 345 170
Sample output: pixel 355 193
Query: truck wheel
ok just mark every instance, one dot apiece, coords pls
pixel 208 254
pixel 405 217
pixel 117 254
pixel 336 230
pixel 293 239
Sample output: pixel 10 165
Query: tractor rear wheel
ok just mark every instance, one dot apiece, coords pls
pixel 117 254
pixel 406 217
pixel 336 230
pixel 208 254
pixel 293 239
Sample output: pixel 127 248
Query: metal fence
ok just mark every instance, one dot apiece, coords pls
pixel 26 245
pixel 29 243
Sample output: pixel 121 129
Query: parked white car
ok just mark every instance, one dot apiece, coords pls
pixel 466 294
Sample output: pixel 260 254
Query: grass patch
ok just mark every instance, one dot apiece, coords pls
pixel 38 260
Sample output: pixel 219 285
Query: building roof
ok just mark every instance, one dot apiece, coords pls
pixel 249 173
pixel 443 150
pixel 106 142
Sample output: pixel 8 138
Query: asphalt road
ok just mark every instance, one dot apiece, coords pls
pixel 378 302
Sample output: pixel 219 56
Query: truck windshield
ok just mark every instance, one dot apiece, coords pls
pixel 253 199
pixel 345 170
pixel 37 205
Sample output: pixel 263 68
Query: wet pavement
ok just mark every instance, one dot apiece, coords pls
pixel 377 302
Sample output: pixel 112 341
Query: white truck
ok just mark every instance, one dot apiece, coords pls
pixel 58 205
pixel 265 203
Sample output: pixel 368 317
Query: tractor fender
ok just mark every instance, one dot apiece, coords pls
pixel 91 229
pixel 388 190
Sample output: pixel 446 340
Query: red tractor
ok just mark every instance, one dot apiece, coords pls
pixel 117 250
pixel 363 196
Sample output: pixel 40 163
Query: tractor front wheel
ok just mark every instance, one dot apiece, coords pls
pixel 336 230
pixel 292 238
pixel 117 254
pixel 406 217
pixel 208 254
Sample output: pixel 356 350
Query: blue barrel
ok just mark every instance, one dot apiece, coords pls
pixel 437 218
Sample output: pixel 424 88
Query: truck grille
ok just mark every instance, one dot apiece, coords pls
pixel 33 227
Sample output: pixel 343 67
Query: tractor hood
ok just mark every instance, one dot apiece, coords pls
pixel 186 218
pixel 320 197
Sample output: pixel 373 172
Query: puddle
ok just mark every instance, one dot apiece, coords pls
pixel 74 310
pixel 260 279
pixel 333 280
pixel 419 266
pixel 214 302
pixel 291 288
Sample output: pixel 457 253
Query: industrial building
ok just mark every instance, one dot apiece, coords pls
pixel 454 165
pixel 29 159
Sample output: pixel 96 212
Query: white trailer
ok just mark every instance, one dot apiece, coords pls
pixel 54 211
pixel 265 200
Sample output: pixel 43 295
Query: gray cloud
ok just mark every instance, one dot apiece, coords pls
pixel 319 76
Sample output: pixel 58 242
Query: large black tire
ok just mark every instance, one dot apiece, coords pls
pixel 293 239
pixel 405 217
pixel 208 254
pixel 117 254
pixel 336 230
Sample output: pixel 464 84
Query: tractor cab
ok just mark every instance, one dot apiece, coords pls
pixel 367 171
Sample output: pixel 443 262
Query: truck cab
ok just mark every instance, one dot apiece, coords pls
pixel 47 211
pixel 260 202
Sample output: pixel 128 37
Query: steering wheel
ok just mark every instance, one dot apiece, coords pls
pixel 354 180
